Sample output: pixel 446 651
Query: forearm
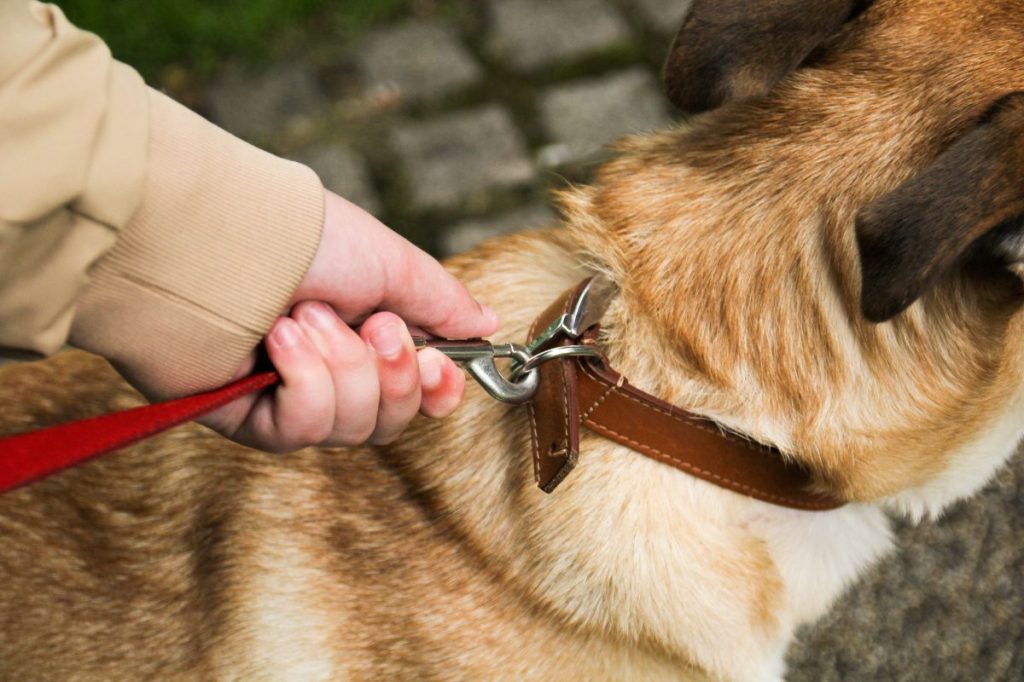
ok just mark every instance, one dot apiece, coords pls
pixel 73 128
pixel 129 225
pixel 223 235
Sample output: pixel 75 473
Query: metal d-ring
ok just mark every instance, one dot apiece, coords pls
pixel 534 361
pixel 588 309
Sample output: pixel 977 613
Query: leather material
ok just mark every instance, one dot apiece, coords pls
pixel 586 391
pixel 554 411
pixel 572 391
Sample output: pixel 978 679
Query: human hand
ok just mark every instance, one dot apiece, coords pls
pixel 341 386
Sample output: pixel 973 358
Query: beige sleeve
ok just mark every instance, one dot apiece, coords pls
pixel 130 226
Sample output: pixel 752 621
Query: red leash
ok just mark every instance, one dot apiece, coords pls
pixel 27 457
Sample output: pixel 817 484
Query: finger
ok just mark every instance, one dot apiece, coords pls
pixel 424 294
pixel 441 382
pixel 352 369
pixel 227 419
pixel 300 412
pixel 398 373
pixel 415 286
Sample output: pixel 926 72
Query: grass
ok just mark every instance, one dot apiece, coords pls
pixel 196 35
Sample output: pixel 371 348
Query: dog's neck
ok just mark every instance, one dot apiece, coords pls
pixel 757 256
pixel 738 285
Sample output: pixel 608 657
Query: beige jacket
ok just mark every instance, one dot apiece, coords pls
pixel 130 226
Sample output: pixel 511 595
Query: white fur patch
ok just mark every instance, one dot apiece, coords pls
pixel 819 554
pixel 968 471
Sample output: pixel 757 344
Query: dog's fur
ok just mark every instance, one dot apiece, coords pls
pixel 737 243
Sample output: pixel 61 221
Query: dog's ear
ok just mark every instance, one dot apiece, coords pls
pixel 736 49
pixel 967 205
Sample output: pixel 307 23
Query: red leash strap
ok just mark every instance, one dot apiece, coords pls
pixel 27 457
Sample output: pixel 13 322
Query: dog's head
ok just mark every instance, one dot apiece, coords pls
pixel 854 158
pixel 964 206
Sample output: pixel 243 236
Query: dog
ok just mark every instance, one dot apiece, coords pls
pixel 827 260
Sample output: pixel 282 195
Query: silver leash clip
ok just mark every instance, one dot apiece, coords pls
pixel 478 357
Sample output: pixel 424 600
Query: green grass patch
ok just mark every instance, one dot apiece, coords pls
pixel 199 34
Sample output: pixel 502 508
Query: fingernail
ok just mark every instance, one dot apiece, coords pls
pixel 321 316
pixel 285 334
pixel 489 313
pixel 387 341
pixel 430 374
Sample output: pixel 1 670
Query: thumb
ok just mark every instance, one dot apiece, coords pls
pixel 420 291
pixel 362 267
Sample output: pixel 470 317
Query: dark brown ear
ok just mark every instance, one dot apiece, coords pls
pixel 736 49
pixel 966 205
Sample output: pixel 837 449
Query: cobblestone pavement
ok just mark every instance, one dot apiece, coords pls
pixel 457 123
pixel 454 125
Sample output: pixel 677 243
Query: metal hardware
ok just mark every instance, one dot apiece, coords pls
pixel 549 354
pixel 477 357
pixel 588 311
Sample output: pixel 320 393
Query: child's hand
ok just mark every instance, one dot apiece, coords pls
pixel 340 387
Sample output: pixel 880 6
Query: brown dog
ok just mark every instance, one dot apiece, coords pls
pixel 865 165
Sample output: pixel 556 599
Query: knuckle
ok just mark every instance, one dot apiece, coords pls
pixel 366 432
pixel 357 428
pixel 343 344
pixel 307 434
pixel 400 384
pixel 352 438
pixel 437 410
pixel 310 425
pixel 443 404
pixel 347 354
pixel 362 438
pixel 320 433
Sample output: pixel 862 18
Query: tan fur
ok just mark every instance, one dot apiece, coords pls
pixel 188 557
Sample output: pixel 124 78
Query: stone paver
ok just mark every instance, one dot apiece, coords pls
pixel 450 158
pixel 582 116
pixel 947 606
pixel 665 16
pixel 343 172
pixel 268 103
pixel 529 34
pixel 419 61
pixel 468 233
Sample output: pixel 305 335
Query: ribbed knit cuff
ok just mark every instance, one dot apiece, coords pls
pixel 223 236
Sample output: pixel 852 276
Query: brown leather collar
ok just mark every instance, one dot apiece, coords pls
pixel 585 390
